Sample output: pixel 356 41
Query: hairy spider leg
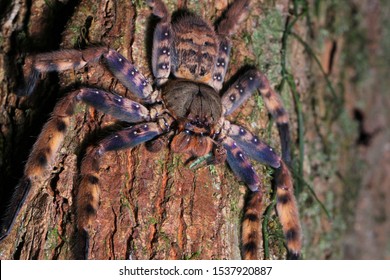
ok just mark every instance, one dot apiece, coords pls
pixel 253 146
pixel 251 225
pixel 221 64
pixel 286 204
pixel 244 87
pixel 119 107
pixel 162 41
pixel 56 61
pixel 63 60
pixel 241 165
pixel 234 16
pixel 88 196
pixel 40 159
pixel 128 75
pixel 53 133
pixel 228 26
pixel 243 169
pixel 235 96
pixel 287 209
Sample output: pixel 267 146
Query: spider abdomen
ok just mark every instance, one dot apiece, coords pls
pixel 194 49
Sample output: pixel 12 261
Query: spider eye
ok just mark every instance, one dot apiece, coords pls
pixel 193 69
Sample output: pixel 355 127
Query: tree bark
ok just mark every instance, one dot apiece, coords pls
pixel 153 206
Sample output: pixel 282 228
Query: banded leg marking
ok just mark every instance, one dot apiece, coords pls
pixel 88 196
pixel 251 226
pixel 41 158
pixel 243 88
pixel 287 209
pixel 57 61
pixel 51 138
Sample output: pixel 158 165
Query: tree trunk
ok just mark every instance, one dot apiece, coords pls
pixel 153 206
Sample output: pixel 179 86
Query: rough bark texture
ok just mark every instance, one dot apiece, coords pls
pixel 155 207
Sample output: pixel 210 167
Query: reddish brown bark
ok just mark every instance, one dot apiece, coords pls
pixel 155 207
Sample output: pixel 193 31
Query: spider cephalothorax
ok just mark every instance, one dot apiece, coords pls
pixel 197 110
pixel 186 107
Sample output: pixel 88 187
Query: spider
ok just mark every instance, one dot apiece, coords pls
pixel 185 108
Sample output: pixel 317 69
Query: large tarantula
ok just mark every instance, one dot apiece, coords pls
pixel 186 108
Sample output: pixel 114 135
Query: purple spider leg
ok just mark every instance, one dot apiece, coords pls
pixel 129 76
pixel 88 196
pixel 162 40
pixel 228 26
pixel 253 146
pixel 240 165
pixel 244 87
pixel 243 169
pixel 286 204
pixel 119 107
pixel 53 133
pixel 57 61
